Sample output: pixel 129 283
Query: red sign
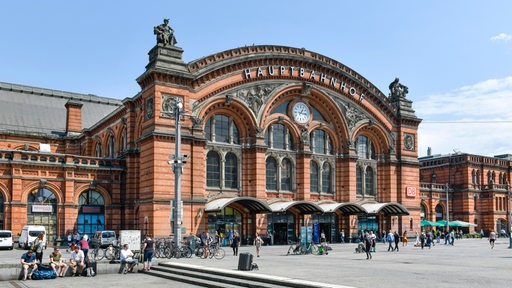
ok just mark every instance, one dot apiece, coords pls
pixel 91 209
pixel 410 191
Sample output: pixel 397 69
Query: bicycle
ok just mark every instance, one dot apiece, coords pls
pixel 215 251
pixel 309 248
pixel 112 252
pixel 294 248
pixel 96 253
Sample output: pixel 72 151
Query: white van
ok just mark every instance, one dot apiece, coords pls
pixel 29 235
pixel 6 239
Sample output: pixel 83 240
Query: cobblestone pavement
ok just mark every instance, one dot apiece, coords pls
pixel 469 263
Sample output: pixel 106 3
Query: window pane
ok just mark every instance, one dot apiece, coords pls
pixel 319 141
pixel 221 129
pixel 278 135
pixel 369 181
pixel 326 178
pixel 362 149
pixel 271 167
pixel 212 170
pixel 231 172
pixel 359 181
pixel 313 177
pixel 286 175
pixel 208 130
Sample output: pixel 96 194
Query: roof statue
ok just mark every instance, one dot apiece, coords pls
pixel 165 34
pixel 397 89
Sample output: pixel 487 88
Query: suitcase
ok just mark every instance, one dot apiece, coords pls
pixel 245 261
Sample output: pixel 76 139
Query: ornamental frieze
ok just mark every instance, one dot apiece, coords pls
pixel 254 97
pixel 352 114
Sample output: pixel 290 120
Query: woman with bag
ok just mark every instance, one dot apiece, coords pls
pixel 257 243
pixel 235 243
pixel 38 247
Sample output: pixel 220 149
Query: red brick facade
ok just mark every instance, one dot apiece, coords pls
pixel 125 156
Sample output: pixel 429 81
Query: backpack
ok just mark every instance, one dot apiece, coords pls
pixel 44 274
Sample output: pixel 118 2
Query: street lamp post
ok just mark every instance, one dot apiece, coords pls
pixel 177 165
pixel 508 216
pixel 447 209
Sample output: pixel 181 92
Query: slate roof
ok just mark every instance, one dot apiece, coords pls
pixel 28 109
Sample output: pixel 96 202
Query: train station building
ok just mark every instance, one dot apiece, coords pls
pixel 272 138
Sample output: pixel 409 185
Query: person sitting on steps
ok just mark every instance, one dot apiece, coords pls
pixel 126 256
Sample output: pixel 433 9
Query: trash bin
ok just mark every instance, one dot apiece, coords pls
pixel 245 261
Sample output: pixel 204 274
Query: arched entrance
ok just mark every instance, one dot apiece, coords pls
pixel 440 213
pixel 282 227
pixel 91 212
pixel 225 222
pixel 42 210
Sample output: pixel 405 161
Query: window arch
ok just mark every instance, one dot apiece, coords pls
pixel 278 137
pixel 439 213
pixel 111 147
pixel 212 169
pixel 327 178
pixel 91 216
pixel 99 152
pixel 222 129
pixel 231 171
pixel 314 177
pixel 271 173
pixel 42 210
pixel 286 175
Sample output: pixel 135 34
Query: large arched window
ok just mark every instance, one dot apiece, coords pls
pixel 271 173
pixel 213 169
pixel 278 137
pixel 314 177
pixel 326 178
pixel 91 216
pixel 42 210
pixel 222 129
pixel 231 171
pixel 286 175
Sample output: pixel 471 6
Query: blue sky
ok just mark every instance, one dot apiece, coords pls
pixel 454 56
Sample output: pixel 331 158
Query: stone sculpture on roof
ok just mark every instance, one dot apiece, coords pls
pixel 165 34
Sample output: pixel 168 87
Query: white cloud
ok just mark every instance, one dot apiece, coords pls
pixel 502 36
pixel 476 119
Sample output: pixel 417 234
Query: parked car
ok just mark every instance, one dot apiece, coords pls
pixel 103 238
pixel 6 239
pixel 29 234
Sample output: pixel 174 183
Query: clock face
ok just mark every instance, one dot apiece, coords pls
pixel 300 112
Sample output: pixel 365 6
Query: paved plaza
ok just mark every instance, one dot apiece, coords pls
pixel 469 263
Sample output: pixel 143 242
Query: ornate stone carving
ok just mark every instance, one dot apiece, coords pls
pixel 305 135
pixel 149 108
pixel 409 142
pixel 255 96
pixel 306 88
pixel 196 122
pixel 259 132
pixel 352 114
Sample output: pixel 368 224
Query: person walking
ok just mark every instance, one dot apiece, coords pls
pixel 492 238
pixel 397 240
pixel 235 243
pixel 391 239
pixel 368 243
pixel 257 243
pixel 149 249
pixel 342 235
pixel 404 238
pixel 422 239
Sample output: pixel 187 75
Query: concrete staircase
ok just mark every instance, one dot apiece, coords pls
pixel 222 278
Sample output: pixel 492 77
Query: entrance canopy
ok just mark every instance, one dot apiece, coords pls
pixel 386 208
pixel 304 207
pixel 345 208
pixel 456 223
pixel 253 204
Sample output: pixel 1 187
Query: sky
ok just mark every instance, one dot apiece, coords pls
pixel 454 56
